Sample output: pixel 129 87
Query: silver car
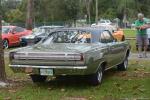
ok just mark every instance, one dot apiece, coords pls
pixel 72 51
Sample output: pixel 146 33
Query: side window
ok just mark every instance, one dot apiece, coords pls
pixel 18 29
pixel 106 37
pixel 71 37
pixel 83 37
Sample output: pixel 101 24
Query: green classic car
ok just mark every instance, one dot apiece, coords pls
pixel 72 51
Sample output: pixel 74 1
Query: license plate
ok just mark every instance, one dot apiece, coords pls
pixel 46 72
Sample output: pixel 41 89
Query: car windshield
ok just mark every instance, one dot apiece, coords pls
pixel 5 30
pixel 68 37
pixel 102 21
pixel 108 21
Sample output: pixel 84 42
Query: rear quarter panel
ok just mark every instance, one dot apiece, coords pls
pixel 94 58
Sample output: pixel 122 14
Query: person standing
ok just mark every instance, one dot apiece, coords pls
pixel 141 36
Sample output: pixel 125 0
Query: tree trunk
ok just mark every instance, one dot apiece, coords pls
pixel 2 64
pixel 87 4
pixel 125 18
pixel 29 21
pixel 96 13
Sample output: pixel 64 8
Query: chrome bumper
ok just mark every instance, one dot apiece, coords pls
pixel 53 67
pixel 58 70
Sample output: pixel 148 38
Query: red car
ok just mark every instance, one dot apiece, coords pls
pixel 11 35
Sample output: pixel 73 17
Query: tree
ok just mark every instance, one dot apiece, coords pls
pixel 125 7
pixel 88 8
pixel 15 16
pixel 2 64
pixel 29 21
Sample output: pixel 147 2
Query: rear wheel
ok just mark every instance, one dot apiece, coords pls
pixel 96 78
pixel 124 65
pixel 5 44
pixel 38 78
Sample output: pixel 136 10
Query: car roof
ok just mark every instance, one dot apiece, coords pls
pixel 90 29
pixel 9 26
pixel 51 27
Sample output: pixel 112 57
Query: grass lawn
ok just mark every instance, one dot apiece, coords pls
pixel 133 45
pixel 129 33
pixel 131 84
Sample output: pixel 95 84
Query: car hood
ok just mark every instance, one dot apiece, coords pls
pixel 60 47
pixel 32 36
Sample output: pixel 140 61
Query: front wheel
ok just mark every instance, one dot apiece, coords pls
pixel 5 44
pixel 96 78
pixel 38 78
pixel 124 65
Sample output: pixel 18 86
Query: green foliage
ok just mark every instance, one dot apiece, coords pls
pixel 71 10
pixel 110 13
pixel 15 15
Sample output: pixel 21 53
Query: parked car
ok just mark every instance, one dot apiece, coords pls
pixel 11 35
pixel 38 34
pixel 102 22
pixel 72 51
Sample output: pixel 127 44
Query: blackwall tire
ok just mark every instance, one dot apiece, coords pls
pixel 96 78
pixel 5 44
pixel 123 66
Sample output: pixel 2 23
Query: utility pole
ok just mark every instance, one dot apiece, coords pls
pixel 96 17
pixel 29 20
pixel 2 64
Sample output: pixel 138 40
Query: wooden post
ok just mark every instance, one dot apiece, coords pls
pixel 29 21
pixel 2 64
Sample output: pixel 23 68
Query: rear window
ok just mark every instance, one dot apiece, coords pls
pixel 68 37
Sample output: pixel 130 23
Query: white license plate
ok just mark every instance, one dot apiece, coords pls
pixel 46 72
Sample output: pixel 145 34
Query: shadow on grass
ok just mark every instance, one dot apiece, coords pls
pixel 78 82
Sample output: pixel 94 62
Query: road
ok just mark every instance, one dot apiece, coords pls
pixel 135 56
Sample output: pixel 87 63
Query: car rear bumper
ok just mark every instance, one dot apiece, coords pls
pixel 57 70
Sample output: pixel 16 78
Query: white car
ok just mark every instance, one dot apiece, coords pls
pixel 102 23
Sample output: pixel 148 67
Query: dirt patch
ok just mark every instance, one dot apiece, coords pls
pixel 15 84
pixel 137 73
